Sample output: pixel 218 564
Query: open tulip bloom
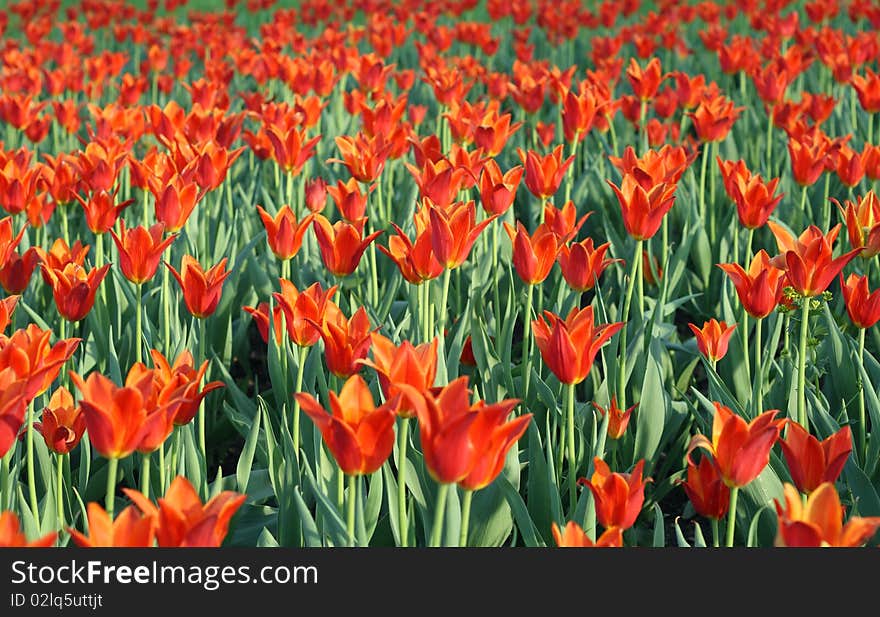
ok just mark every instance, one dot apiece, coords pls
pixel 364 273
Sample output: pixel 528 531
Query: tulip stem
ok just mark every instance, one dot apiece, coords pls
pixel 465 517
pixel 439 512
pixel 572 463
pixel 300 372
pixel 731 515
pixel 745 340
pixel 496 293
pixel 109 501
pixel 145 474
pixel 570 172
pixel 863 431
pixel 59 490
pixel 643 131
pixel 803 199
pixel 769 145
pixel 32 480
pixel 352 501
pixel 166 310
pixel 703 183
pixel 138 323
pixel 203 331
pixel 444 299
pixel 402 440
pixel 802 364
pixel 624 316
pixel 5 490
pixel 162 467
pixel 526 342
pixel 716 535
pixel 759 370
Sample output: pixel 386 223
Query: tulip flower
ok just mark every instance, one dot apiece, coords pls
pixel 819 521
pixel 643 205
pixel 497 190
pixel 346 341
pixel 618 419
pixel 182 520
pixel 454 231
pixel 260 314
pixel 414 259
pixel 862 304
pixel 101 211
pixel 290 148
pixel 760 288
pixel 578 111
pixel 11 535
pixel 564 221
pixel 618 496
pixel 713 339
pixel 74 289
pixel 867 89
pixel 544 174
pixel 862 218
pixel 739 449
pixel 754 198
pixel 572 536
pixel 16 272
pixel 63 422
pixel 714 117
pixel 533 256
pixel 706 490
pixel 13 406
pixel 812 462
pixel 342 244
pixel 28 353
pixel 350 202
pixel 808 260
pixel 175 201
pixel 201 289
pixel 283 233
pixel 131 529
pixel 667 164
pixel 582 264
pixel 60 254
pixel 569 346
pixel 316 194
pixel 364 157
pixel 807 160
pixel 7 308
pixel 305 312
pixel 408 364
pixel 140 250
pixel 179 385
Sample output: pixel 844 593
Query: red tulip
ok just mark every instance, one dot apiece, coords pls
pixel 572 536
pixel 544 174
pixel 283 233
pixel 643 204
pixel 74 289
pixel 582 264
pixel 140 250
pixel 713 338
pixel 807 260
pixel 454 231
pixel 862 304
pixel 130 529
pixel 533 256
pixel 618 496
pixel 63 422
pixel 819 521
pixel 11 535
pixel 413 366
pixel 759 289
pixel 342 244
pixel 201 289
pixel 618 419
pixel 707 491
pixel 812 462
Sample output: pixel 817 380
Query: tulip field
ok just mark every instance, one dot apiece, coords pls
pixel 449 273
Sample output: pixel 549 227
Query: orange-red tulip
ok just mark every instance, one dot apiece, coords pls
pixel 131 529
pixel 569 346
pixel 179 385
pixel 862 304
pixel 7 308
pixel 11 535
pixel 713 338
pixel 645 82
pixel 618 419
pixel 863 223
pixel 63 422
pixel 497 190
pixel 342 244
pixel 359 435
pixel 760 288
pixel 350 202
pixel 28 353
pixel 819 522
pixel 182 520
pixel 643 204
pixel 74 289
pixel 283 233
pixel 618 496
pixel 807 260
pixel 707 491
pixel 140 250
pixel 102 211
pixel 582 264
pixel 741 449
pixel 346 342
pixel 454 231
pixel 16 272
pixel 305 312
pixel 415 259
pixel 572 536
pixel 714 117
pixel 564 221
pixel 812 462
pixel 201 289
pixel 533 255
pixel 408 364
pixel 60 254
pixel 544 174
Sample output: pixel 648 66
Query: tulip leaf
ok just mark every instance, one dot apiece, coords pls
pixel 699 540
pixel 266 539
pixel 651 413
pixel 530 535
pixel 335 526
pixel 867 503
pixel 373 505
pixel 659 531
pixel 246 460
pixel 680 540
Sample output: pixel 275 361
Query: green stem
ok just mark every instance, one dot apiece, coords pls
pixel 863 430
pixel 166 310
pixel 527 342
pixel 203 332
pixel 439 512
pixel 716 534
pixel 569 181
pixel 59 490
pixel 802 364
pixel 613 134
pixel 402 441
pixel 162 475
pixel 745 341
pixel 706 154
pixel 300 372
pixel 352 500
pixel 5 490
pixel 625 317
pixel 110 499
pixel 803 199
pixel 750 237
pixel 643 133
pixel 496 293
pixel 32 480
pixel 759 370
pixel 444 299
pixel 138 323
pixel 465 517
pixel 769 144
pixel 572 463
pixel 145 474
pixel 731 515
pixel 285 269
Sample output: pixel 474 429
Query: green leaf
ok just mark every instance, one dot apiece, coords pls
pixel 524 523
pixel 246 460
pixel 659 531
